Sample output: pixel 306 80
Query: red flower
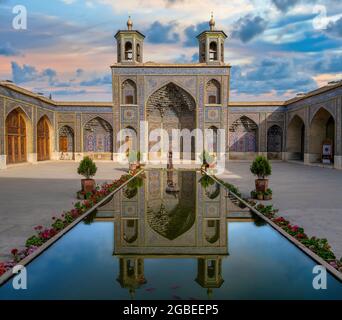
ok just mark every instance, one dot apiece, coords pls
pixel 2 269
pixel 14 252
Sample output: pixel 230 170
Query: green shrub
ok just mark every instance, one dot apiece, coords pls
pixel 261 167
pixel 268 192
pixel 68 218
pixel 87 168
pixel 58 224
pixel 206 181
pixel 34 241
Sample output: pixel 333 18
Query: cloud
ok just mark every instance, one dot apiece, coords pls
pixel 7 50
pixel 280 75
pixel 335 28
pixel 195 57
pixel 162 33
pixel 68 92
pixel 96 81
pixel 183 58
pixel 50 74
pixel 23 74
pixel 285 5
pixel 328 64
pixel 248 27
pixel 192 32
pixel 28 73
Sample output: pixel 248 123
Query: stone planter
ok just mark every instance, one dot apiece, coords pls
pixel 267 197
pixel 260 196
pixel 88 185
pixel 261 185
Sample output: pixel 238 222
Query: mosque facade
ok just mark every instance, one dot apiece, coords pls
pixel 34 128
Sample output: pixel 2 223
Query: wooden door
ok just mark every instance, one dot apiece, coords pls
pixel 63 144
pixel 15 138
pixel 43 140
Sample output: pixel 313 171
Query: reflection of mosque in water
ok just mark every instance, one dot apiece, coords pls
pixel 172 214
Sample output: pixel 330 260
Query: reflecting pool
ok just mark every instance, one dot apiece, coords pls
pixel 172 235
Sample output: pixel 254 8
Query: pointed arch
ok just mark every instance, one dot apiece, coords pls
pixel 274 142
pixel 295 142
pixel 213 51
pixel 128 51
pixel 66 142
pixel 243 137
pixel 171 85
pixel 44 138
pixel 213 92
pixel 130 138
pixel 171 107
pixel 130 230
pixel 16 132
pixel 138 52
pixel 20 109
pixel 212 230
pixel 321 110
pixel 215 142
pixel 321 131
pixel 129 92
pixel 98 139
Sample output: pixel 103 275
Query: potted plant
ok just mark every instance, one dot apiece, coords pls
pixel 261 167
pixel 87 168
pixel 268 194
pixel 253 194
pixel 260 195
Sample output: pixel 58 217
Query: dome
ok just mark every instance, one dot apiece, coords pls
pixel 129 23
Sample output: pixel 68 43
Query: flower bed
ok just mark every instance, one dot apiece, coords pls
pixel 43 234
pixel 319 246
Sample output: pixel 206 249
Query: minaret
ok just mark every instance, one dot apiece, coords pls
pixel 209 274
pixel 130 45
pixel 211 44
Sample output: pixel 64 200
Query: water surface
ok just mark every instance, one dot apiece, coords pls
pixel 172 235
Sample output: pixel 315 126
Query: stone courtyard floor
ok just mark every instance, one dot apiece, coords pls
pixel 308 196
pixel 32 194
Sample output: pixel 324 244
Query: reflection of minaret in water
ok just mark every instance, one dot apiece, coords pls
pixel 209 274
pixel 131 274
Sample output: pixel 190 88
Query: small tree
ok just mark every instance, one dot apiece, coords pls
pixel 261 167
pixel 87 168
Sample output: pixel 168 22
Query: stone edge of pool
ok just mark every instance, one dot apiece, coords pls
pixel 294 241
pixel 9 274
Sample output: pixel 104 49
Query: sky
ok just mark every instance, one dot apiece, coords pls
pixel 277 48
